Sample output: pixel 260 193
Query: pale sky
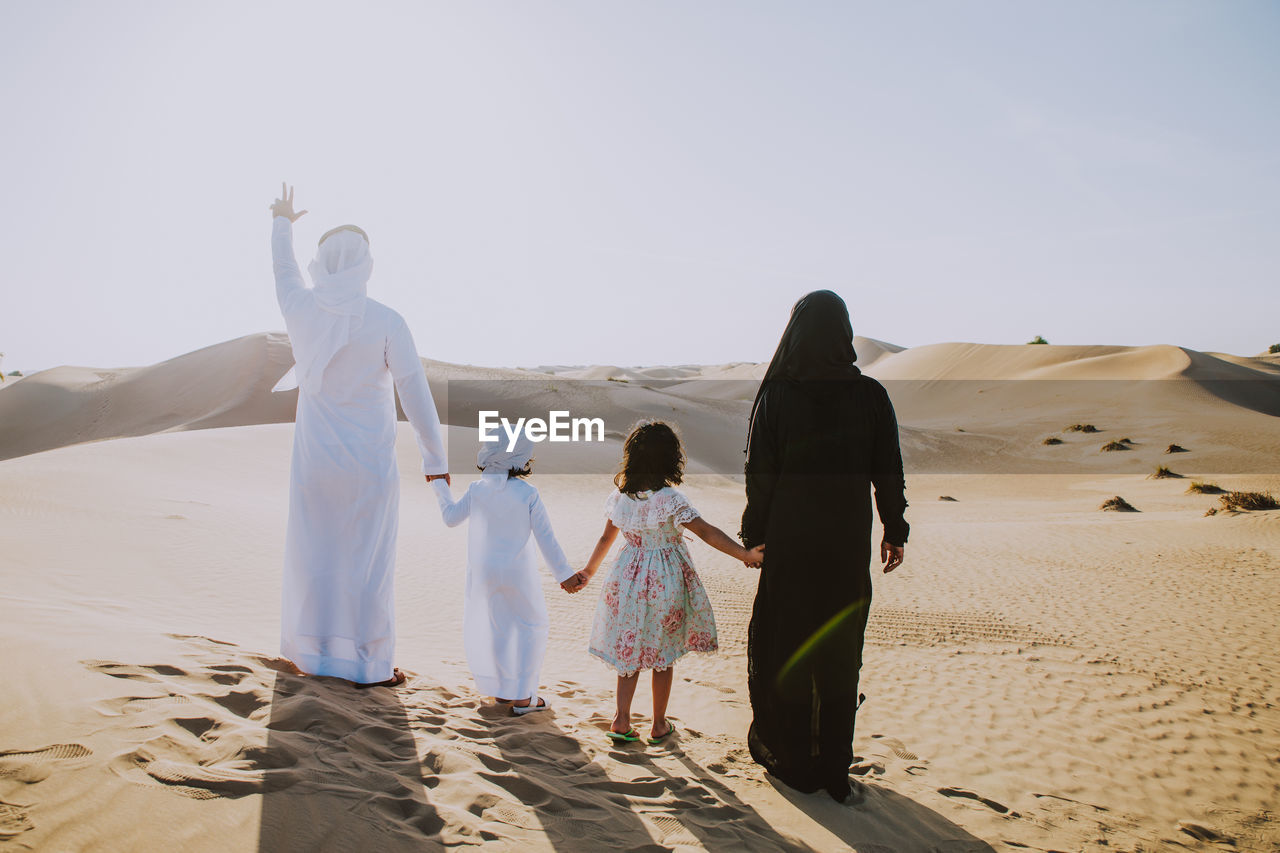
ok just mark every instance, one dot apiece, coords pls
pixel 648 182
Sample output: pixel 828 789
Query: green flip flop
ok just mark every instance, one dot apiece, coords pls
pixel 671 729
pixel 631 736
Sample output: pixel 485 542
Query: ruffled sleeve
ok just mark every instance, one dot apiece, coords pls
pixel 611 503
pixel 682 512
pixel 648 512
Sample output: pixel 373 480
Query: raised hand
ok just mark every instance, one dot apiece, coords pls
pixel 283 206
pixel 755 557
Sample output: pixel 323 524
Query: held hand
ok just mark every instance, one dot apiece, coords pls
pixel 283 206
pixel 448 481
pixel 755 557
pixel 891 555
pixel 575 583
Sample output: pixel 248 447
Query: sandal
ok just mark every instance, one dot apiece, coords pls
pixel 671 728
pixel 397 678
pixel 536 703
pixel 630 736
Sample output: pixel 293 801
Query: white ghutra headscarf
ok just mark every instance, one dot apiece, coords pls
pixel 494 456
pixel 340 277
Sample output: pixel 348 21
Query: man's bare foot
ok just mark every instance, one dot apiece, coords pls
pixel 397 678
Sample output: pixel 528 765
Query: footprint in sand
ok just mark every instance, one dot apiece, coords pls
pixel 670 831
pixel 867 767
pixel 29 766
pixel 961 793
pixel 33 765
pixel 897 747
pixel 14 820
pixel 187 752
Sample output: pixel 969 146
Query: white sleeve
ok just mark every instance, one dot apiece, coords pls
pixel 453 512
pixel 415 398
pixel 540 523
pixel 289 281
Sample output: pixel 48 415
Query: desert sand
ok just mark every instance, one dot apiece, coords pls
pixel 1041 675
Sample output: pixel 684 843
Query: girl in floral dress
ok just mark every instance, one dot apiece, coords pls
pixel 653 608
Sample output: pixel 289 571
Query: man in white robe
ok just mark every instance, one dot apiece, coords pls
pixel 338 612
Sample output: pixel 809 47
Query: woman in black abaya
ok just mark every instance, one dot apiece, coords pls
pixel 821 435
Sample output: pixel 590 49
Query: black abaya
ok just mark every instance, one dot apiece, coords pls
pixel 821 435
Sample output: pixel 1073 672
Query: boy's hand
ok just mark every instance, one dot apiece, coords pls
pixel 755 557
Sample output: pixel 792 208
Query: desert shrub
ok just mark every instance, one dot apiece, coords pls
pixel 1163 473
pixel 1126 441
pixel 1200 488
pixel 946 498
pixel 1117 504
pixel 1275 348
pixel 1114 445
pixel 15 372
pixel 1081 428
pixel 1053 439
pixel 1175 448
pixel 1037 340
pixel 1248 501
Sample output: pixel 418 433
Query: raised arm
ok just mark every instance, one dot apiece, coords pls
pixel 415 398
pixel 557 562
pixel 289 281
pixel 453 512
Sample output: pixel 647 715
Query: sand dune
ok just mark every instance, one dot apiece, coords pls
pixel 1041 675
pixel 967 407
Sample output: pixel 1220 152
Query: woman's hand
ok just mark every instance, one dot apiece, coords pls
pixel 755 557
pixel 283 206
pixel 447 479
pixel 891 555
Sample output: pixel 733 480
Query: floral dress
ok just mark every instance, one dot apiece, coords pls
pixel 652 608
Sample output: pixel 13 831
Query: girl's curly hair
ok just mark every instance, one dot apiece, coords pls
pixel 652 457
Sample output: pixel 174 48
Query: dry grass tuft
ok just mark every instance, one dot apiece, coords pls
pixel 1117 504
pixel 1163 473
pixel 1111 446
pixel 1248 501
pixel 946 498
pixel 1176 448
pixel 1081 428
pixel 1200 488
pixel 1053 439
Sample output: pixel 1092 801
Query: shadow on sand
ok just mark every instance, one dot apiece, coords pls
pixel 356 780
pixel 884 821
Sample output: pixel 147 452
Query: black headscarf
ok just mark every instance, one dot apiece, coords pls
pixel 817 344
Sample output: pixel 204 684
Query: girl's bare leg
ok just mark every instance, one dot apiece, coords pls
pixel 661 693
pixel 626 692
